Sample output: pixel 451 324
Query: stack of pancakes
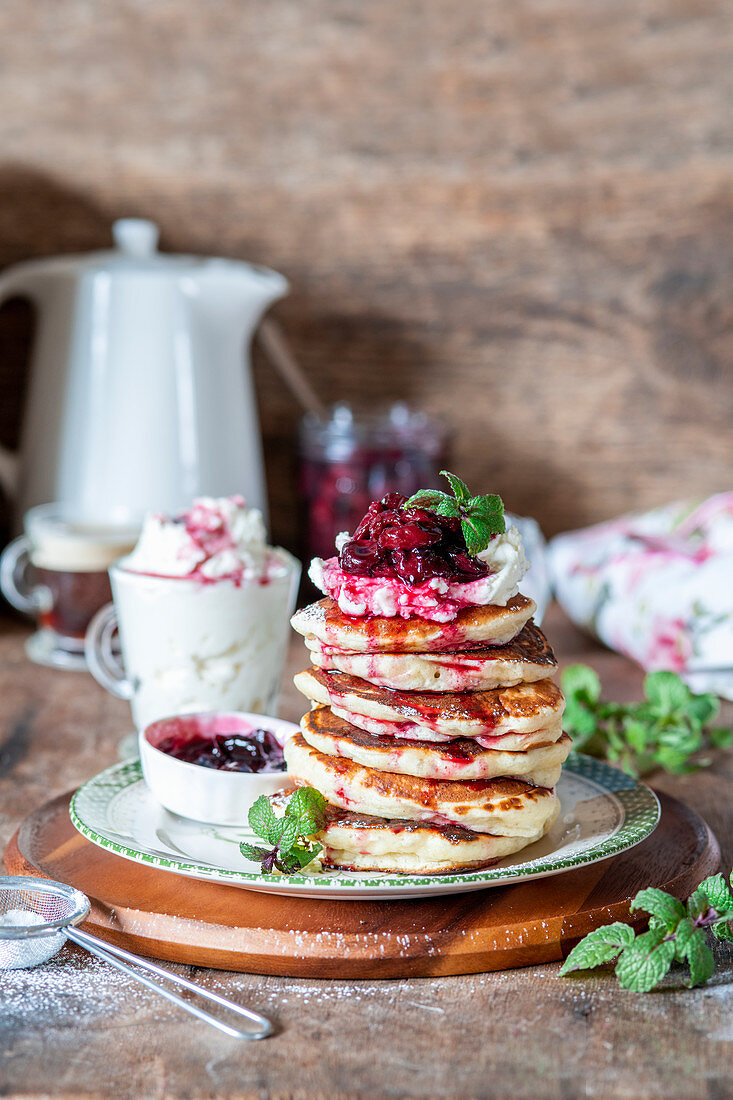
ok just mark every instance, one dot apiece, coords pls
pixel 437 745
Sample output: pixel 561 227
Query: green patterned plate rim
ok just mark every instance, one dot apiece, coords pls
pixel 638 816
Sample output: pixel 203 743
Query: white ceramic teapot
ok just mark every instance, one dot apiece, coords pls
pixel 140 394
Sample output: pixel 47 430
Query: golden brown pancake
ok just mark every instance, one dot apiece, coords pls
pixel 503 807
pixel 527 659
pixel 462 759
pixel 512 742
pixel 490 625
pixel 511 718
pixel 357 842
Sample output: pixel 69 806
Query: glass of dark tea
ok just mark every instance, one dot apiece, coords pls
pixel 56 572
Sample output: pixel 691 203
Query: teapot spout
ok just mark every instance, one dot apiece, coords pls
pixel 235 295
pixel 257 288
pixel 266 286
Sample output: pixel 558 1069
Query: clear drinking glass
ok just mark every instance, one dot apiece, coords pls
pixel 56 572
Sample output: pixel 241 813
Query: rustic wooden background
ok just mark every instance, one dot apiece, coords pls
pixel 518 214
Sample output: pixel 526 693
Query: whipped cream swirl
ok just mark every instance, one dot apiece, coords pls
pixel 216 538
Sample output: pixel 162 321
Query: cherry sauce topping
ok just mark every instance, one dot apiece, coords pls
pixel 259 751
pixel 411 544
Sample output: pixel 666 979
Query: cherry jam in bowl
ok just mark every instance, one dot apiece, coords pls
pixel 211 766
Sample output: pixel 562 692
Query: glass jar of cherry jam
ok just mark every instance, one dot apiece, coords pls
pixel 352 457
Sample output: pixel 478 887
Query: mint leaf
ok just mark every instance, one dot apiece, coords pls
pixel 666 691
pixel 675 931
pixel 674 761
pixel 579 722
pixel 301 857
pixel 723 931
pixel 308 807
pixel 447 507
pixel 681 737
pixel 251 851
pixel 435 501
pixel 703 708
pixel 304 815
pixel 270 862
pixel 306 800
pixel 473 533
pixel 700 960
pixel 491 507
pixel 644 962
pixel 697 904
pixel 599 946
pixel 276 831
pixel 460 489
pixel 489 511
pixel 720 737
pixel 289 835
pixel 690 945
pixel 481 517
pixel 718 893
pixel 582 681
pixel 667 730
pixel 661 905
pixel 683 931
pixel 582 689
pixel 636 734
pixel 261 817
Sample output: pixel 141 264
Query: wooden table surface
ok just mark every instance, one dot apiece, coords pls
pixel 74 1028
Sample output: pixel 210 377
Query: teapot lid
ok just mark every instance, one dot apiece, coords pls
pixel 136 247
pixel 136 252
pixel 136 241
pixel 136 236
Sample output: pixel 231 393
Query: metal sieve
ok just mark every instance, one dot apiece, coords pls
pixel 38 915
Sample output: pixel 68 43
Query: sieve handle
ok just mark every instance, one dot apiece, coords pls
pixel 114 955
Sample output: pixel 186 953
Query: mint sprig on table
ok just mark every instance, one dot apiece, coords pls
pixel 289 837
pixel 481 517
pixel 667 730
pixel 676 934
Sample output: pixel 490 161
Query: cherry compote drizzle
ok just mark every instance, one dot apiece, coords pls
pixel 258 751
pixel 411 544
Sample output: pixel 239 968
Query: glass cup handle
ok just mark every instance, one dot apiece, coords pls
pixel 13 578
pixel 102 662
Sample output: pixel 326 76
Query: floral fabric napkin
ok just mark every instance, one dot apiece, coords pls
pixel 536 583
pixel 658 587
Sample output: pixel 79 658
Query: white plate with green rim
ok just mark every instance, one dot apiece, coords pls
pixel 604 812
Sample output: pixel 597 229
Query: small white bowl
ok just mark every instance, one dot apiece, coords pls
pixel 205 794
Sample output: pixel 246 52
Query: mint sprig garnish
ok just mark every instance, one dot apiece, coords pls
pixel 289 838
pixel 669 729
pixel 481 517
pixel 677 932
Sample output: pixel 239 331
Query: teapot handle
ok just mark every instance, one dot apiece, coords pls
pixel 9 467
pixel 18 280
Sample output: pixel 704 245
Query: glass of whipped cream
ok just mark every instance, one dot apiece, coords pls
pixel 202 606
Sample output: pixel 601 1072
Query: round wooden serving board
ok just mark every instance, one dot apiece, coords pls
pixel 166 916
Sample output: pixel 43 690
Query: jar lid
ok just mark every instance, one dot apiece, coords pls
pixel 377 428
